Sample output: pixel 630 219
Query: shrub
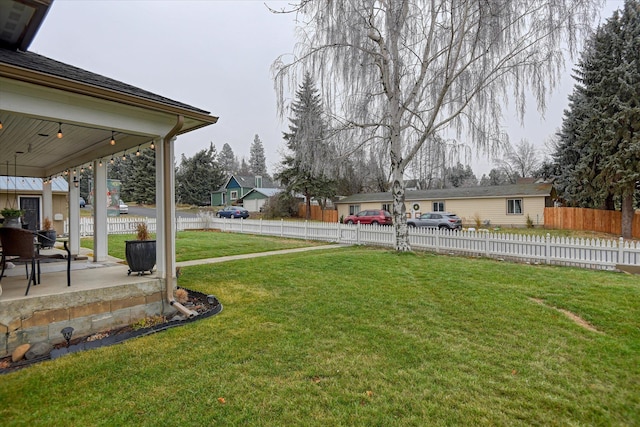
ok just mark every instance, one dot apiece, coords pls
pixel 529 222
pixel 142 231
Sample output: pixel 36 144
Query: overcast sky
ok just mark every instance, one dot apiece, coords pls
pixel 214 55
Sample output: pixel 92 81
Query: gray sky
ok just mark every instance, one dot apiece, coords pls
pixel 214 55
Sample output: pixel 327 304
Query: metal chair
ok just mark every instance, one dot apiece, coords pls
pixel 18 246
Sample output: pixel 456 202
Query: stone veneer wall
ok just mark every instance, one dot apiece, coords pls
pixel 88 312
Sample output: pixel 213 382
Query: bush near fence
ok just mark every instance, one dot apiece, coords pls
pixel 318 214
pixel 598 220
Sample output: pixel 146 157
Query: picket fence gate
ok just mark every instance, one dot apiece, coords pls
pixel 601 254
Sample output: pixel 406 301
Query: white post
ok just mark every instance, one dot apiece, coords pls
pixel 74 213
pixel 47 202
pixel 161 201
pixel 99 203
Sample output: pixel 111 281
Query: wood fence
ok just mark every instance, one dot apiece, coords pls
pixel 589 219
pixel 317 214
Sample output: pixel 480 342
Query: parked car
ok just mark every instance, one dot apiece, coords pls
pixel 370 216
pixel 83 203
pixel 436 220
pixel 124 209
pixel 233 212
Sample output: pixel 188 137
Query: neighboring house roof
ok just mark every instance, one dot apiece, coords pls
pixel 523 190
pixel 267 192
pixel 246 181
pixel 11 183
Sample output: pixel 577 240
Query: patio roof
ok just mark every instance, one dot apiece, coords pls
pixel 89 109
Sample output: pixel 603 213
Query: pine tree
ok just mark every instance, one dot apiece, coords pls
pixel 227 160
pixel 599 149
pixel 303 170
pixel 140 186
pixel 197 177
pixel 257 159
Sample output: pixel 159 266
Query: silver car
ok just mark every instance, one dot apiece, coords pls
pixel 445 220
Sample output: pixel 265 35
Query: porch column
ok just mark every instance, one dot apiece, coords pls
pixel 47 201
pixel 74 214
pixel 99 203
pixel 161 202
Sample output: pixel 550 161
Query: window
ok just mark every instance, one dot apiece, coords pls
pixel 438 206
pixel 234 195
pixel 514 206
pixel 354 209
pixel 387 207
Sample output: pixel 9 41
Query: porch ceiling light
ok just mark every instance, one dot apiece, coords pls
pixel 138 152
pixel 0 124
pixel 112 161
pixel 100 163
pixel 113 139
pixel 152 146
pixel 124 155
pixel 59 130
pixel 75 181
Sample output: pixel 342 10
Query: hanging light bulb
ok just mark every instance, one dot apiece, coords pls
pixel 66 172
pixel 100 164
pixel 59 130
pixel 113 139
pixel 90 167
pixel 124 155
pixel 74 171
pixel 0 124
pixel 138 152
pixel 111 161
pixel 82 169
pixel 152 146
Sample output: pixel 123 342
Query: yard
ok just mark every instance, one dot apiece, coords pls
pixel 361 336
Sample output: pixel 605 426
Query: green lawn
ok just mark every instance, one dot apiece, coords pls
pixel 362 337
pixel 192 245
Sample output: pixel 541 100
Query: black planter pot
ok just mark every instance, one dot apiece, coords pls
pixel 46 238
pixel 141 256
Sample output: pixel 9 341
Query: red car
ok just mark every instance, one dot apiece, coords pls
pixel 370 216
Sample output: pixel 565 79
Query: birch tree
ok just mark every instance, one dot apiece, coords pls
pixel 398 72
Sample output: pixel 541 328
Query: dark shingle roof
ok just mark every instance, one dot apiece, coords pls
pixel 35 62
pixel 542 189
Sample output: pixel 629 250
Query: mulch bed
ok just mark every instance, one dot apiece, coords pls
pixel 197 301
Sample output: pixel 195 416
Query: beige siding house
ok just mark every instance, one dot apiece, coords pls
pixel 503 205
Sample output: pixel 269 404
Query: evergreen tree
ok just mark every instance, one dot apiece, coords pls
pixel 460 176
pixel 140 186
pixel 227 160
pixel 197 177
pixel 599 150
pixel 244 169
pixel 257 159
pixel 303 170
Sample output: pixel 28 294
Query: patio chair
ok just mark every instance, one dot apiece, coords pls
pixel 18 246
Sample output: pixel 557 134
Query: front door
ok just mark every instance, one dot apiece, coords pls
pixel 31 208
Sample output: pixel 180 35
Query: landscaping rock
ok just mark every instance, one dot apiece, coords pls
pixel 19 352
pixel 40 349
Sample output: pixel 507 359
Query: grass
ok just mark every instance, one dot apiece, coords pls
pixel 192 245
pixel 362 337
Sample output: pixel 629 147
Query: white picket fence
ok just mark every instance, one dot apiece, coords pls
pixel 586 253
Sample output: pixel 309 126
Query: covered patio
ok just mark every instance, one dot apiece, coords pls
pixel 56 119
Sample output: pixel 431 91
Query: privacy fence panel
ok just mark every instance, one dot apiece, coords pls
pixel 585 253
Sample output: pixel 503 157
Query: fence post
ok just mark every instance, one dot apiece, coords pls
pixel 547 255
pixel 260 226
pixel 358 233
pixel 437 233
pixel 487 242
pixel 282 228
pixel 621 251
pixel 339 233
pixel 305 229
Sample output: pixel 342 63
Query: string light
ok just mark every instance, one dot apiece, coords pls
pixel 113 139
pixel 138 152
pixel 152 146
pixel 111 161
pixel 100 164
pixel 59 130
pixel 124 155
